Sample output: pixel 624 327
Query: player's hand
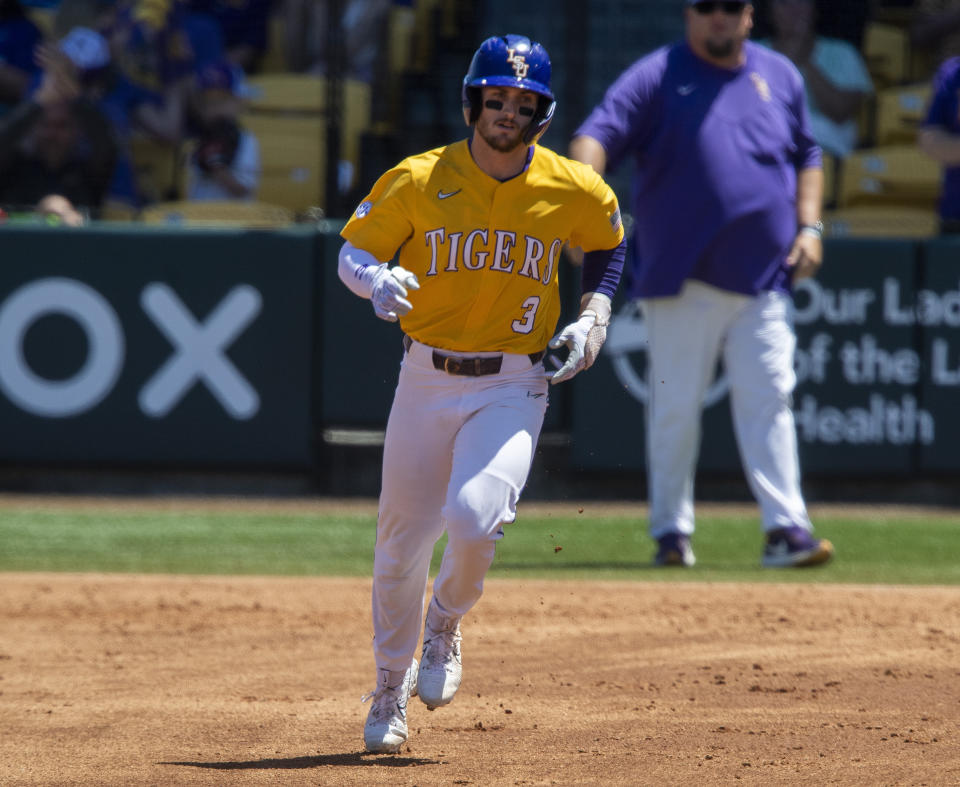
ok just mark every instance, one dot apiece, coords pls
pixel 574 336
pixel 805 256
pixel 389 291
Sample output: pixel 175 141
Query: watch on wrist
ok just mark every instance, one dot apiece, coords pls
pixel 816 229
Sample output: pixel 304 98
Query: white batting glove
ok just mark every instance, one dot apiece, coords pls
pixel 574 336
pixel 389 286
pixel 599 303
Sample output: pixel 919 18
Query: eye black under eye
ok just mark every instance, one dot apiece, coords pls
pixel 494 104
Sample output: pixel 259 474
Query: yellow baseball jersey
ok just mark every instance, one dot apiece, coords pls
pixel 486 252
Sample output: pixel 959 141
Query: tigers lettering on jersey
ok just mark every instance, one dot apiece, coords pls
pixel 469 251
pixel 486 252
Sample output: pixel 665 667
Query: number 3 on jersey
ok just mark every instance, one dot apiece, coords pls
pixel 525 323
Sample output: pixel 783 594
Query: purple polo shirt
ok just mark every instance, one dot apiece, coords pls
pixel 716 155
pixel 945 112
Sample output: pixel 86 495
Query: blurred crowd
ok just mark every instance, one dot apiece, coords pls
pixel 84 82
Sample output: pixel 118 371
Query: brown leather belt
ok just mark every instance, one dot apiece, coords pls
pixel 469 367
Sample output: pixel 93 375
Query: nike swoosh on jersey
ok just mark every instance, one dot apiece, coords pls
pixel 444 194
pixel 686 90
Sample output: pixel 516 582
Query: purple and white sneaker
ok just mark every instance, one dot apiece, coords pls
pixel 793 547
pixel 674 549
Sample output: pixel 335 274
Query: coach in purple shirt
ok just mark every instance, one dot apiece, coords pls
pixel 726 197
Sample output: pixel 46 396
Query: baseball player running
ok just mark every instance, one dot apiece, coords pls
pixel 479 225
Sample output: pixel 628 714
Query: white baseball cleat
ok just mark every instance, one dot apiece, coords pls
pixel 441 665
pixel 386 727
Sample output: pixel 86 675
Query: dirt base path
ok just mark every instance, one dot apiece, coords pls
pixel 137 680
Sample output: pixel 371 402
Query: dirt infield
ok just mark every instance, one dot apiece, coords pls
pixel 137 680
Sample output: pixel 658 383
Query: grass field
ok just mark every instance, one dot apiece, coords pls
pixel 894 547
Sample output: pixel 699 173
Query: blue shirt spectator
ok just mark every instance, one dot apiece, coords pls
pixel 244 26
pixel 19 38
pixel 940 139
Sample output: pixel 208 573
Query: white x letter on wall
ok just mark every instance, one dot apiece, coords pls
pixel 200 351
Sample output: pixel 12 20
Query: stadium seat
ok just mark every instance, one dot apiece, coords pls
pixel 900 111
pixel 293 150
pixel 118 211
pixel 42 17
pixel 829 179
pixel 274 59
pixel 287 113
pixel 157 167
pixel 227 213
pixel 881 222
pixel 886 50
pixel 889 175
pixel 286 92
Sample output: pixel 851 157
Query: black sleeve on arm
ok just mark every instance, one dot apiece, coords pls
pixel 602 270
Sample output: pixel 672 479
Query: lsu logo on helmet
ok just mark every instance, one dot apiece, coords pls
pixel 511 61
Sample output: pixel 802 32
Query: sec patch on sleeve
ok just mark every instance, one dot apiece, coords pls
pixel 615 220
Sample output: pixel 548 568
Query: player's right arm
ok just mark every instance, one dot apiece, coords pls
pixel 369 278
pixel 380 224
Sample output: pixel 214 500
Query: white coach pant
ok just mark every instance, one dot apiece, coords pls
pixel 457 453
pixel 755 336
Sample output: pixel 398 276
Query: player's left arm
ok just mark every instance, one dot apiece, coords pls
pixel 602 268
pixel 585 337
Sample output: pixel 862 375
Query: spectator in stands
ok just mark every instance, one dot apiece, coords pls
pixel 363 25
pixel 152 49
pixel 96 15
pixel 225 163
pixel 835 75
pixel 243 26
pixel 936 28
pixel 939 138
pixel 56 142
pixel 847 20
pixel 19 38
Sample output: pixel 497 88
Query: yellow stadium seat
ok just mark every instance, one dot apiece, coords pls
pixel 900 111
pixel 42 17
pixel 293 150
pixel 829 179
pixel 157 168
pixel 227 213
pixel 881 222
pixel 301 99
pixel 117 211
pixel 886 50
pixel 274 59
pixel 286 92
pixel 889 175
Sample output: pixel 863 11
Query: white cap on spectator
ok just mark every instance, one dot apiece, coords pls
pixel 86 48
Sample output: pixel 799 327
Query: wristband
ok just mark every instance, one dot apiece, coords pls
pixel 814 230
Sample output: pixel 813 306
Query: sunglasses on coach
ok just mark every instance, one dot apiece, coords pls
pixel 730 7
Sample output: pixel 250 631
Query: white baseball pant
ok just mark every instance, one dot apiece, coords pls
pixel 755 337
pixel 457 452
